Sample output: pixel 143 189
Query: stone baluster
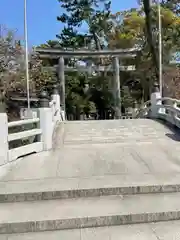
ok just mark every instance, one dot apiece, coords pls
pixel 155 101
pixel 46 124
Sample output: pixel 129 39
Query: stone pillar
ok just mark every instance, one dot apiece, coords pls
pixel 155 101
pixel 62 83
pixel 117 90
pixel 56 97
pixel 46 123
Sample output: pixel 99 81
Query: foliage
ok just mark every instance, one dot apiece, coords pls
pixel 77 100
pixel 128 29
pixel 92 13
pixel 127 99
pixel 173 5
pixel 11 64
pixel 125 29
pixel 12 68
pixel 134 28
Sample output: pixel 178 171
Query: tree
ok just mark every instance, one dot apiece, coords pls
pixel 11 61
pixel 149 30
pixel 93 13
pixel 173 5
pixel 12 69
pixel 77 99
pixel 50 44
pixel 127 29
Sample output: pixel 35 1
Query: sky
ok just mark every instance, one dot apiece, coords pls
pixel 42 23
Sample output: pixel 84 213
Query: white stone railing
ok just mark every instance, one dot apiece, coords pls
pixel 167 109
pixel 37 130
pixel 14 153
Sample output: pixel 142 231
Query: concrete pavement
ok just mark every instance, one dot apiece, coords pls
pixel 121 169
pixel 125 147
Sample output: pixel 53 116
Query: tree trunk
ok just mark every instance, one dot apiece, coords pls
pixel 148 13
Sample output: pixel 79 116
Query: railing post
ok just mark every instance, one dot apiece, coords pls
pixel 45 115
pixel 4 148
pixel 155 101
pixel 56 97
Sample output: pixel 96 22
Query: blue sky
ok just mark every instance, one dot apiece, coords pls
pixel 42 17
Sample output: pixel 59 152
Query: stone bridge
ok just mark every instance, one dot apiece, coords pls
pixel 114 179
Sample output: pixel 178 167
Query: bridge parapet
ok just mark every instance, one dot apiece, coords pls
pixel 35 132
pixel 165 108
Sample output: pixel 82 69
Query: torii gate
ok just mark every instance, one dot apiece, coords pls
pixel 117 54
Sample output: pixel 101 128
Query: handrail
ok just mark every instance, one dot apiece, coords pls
pixel 146 106
pixel 170 111
pixel 22 122
pixel 24 134
pixel 171 99
pixel 30 135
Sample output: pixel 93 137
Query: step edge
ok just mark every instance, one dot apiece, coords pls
pixel 84 222
pixel 87 192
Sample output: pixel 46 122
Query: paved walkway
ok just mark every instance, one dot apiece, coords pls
pixel 92 152
pixel 100 173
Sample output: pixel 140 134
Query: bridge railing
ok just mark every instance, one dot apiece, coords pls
pixel 169 110
pixel 34 134
pixel 37 146
pixel 165 108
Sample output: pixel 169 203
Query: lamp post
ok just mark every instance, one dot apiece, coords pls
pixel 26 52
pixel 160 47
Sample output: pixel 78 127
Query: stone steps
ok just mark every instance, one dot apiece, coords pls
pixel 36 216
pixel 138 185
pixel 60 188
pixel 151 231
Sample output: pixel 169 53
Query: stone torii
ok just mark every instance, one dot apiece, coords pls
pixel 52 53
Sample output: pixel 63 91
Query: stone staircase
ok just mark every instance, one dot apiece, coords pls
pixel 68 208
pixel 59 209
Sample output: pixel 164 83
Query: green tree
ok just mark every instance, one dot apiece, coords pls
pixel 93 13
pixel 12 68
pixel 77 99
pixel 130 30
pixel 173 5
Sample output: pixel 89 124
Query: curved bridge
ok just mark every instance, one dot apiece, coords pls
pixel 108 174
pixel 104 148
